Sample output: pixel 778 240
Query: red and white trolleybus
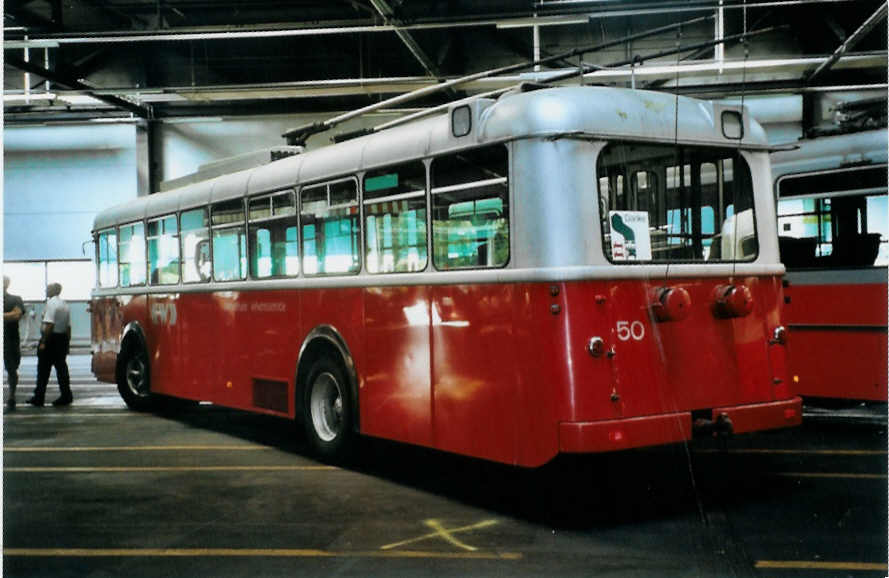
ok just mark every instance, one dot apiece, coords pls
pixel 833 226
pixel 577 269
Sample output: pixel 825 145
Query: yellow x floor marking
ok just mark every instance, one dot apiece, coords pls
pixel 442 532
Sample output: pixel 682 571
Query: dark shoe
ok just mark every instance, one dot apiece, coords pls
pixel 10 405
pixel 35 402
pixel 63 401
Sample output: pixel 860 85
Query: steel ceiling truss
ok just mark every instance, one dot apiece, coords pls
pixel 39 24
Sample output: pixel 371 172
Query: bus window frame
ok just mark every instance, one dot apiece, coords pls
pixel 357 204
pixel 99 234
pixel 207 229
pixel 144 283
pixel 211 208
pixel 269 196
pixel 509 214
pixel 148 237
pixel 416 194
pixel 818 212
pixel 684 172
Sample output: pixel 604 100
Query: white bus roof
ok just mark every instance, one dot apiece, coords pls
pixel 832 152
pixel 616 113
pixel 589 112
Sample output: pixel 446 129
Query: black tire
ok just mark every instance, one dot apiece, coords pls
pixel 327 410
pixel 134 377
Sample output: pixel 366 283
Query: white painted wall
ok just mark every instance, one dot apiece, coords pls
pixel 55 180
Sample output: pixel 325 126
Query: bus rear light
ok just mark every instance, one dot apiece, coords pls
pixel 732 301
pixel 779 336
pixel 670 303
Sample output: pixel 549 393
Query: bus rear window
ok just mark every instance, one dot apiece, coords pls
pixel 666 203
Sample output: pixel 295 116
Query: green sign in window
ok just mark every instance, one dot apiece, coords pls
pixel 380 183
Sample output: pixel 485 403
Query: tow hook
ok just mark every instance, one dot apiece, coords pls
pixel 720 427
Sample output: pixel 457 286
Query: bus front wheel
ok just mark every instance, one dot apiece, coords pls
pixel 327 410
pixel 133 377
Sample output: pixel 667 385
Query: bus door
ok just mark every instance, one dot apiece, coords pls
pixel 162 335
pixel 200 338
pixel 474 384
pixel 397 397
pixel 270 323
pixel 225 334
pixel 473 370
pixel 164 324
pixel 397 400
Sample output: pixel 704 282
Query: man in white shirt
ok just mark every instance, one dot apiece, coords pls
pixel 53 348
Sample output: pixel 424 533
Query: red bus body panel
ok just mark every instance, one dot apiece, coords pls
pixel 837 344
pixel 498 371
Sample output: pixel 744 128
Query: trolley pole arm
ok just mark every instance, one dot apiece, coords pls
pixel 298 136
pixel 638 60
pixel 564 76
pixel 851 41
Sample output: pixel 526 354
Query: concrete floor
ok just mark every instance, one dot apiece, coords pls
pixel 97 490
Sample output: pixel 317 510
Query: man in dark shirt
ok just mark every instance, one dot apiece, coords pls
pixel 13 309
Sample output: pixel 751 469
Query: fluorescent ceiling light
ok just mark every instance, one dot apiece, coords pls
pixel 10 44
pixel 542 21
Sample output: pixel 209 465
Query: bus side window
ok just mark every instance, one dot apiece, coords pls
pixel 470 209
pixel 131 248
pixel 107 258
pixel 163 251
pixel 395 218
pixel 229 240
pixel 877 210
pixel 195 247
pixel 330 228
pixel 834 219
pixel 272 236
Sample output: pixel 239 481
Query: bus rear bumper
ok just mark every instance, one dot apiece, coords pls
pixel 622 434
pixel 763 416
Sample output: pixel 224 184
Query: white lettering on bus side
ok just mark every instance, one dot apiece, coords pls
pixel 163 313
pixel 268 307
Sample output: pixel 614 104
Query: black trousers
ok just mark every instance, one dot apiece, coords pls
pixel 12 356
pixel 53 355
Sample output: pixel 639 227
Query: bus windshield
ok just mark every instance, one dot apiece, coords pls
pixel 674 203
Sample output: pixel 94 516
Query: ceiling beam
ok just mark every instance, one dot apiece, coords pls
pixel 850 42
pixel 389 17
pixel 281 29
pixel 137 109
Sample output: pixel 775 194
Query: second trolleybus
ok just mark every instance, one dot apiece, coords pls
pixel 564 270
pixel 833 227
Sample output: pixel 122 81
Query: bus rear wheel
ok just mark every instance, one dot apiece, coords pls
pixel 133 378
pixel 327 410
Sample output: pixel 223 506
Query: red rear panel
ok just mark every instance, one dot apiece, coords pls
pixel 699 362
